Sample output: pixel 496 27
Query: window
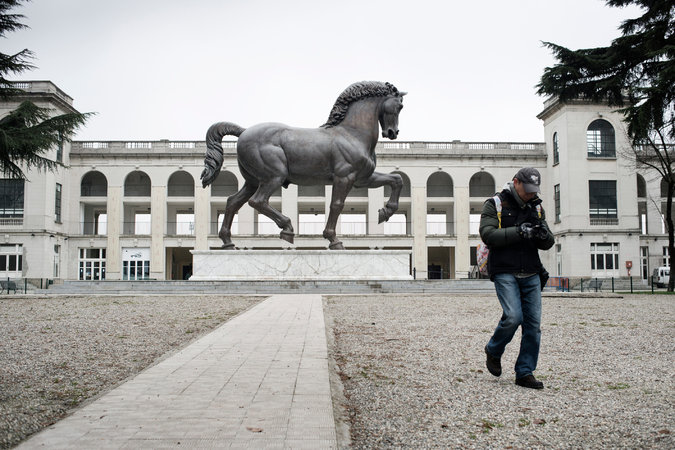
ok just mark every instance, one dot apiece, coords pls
pixel 665 262
pixel 556 199
pixel 600 140
pixel 602 202
pixel 92 264
pixel 57 261
pixel 185 224
pixel 556 151
pixel 11 260
pixel 474 224
pixel 59 149
pixel 266 225
pixel 605 259
pixel 311 223
pixel 101 223
pixel 135 263
pixel 396 225
pixel 142 223
pixel 11 198
pixel 644 262
pixel 57 203
pixel 353 224
pixel 436 224
pixel 558 259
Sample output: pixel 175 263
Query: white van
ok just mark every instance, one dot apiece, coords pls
pixel 661 276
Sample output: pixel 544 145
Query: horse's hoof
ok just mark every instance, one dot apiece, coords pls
pixel 228 246
pixel 287 236
pixel 336 246
pixel 382 216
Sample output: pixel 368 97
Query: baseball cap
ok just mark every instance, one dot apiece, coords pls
pixel 530 178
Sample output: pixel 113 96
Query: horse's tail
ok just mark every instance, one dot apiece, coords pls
pixel 213 160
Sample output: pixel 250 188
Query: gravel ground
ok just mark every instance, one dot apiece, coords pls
pixel 414 374
pixel 56 352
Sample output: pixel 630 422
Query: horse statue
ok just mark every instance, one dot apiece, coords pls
pixel 340 152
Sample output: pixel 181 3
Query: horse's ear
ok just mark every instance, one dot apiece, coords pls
pixel 401 94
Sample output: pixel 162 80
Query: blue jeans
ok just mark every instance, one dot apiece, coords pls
pixel 521 302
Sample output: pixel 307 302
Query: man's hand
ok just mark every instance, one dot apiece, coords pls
pixel 526 231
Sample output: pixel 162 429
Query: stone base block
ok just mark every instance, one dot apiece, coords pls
pixel 300 265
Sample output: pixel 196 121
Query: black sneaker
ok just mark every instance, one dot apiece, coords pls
pixel 494 365
pixel 529 381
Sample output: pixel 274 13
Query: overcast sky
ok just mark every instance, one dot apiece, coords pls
pixel 167 69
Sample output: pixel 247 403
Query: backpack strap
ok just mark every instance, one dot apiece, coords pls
pixel 498 205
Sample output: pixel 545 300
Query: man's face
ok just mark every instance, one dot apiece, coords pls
pixel 520 189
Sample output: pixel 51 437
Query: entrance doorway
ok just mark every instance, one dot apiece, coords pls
pixel 439 263
pixel 178 263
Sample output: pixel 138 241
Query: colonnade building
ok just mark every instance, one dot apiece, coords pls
pixel 123 210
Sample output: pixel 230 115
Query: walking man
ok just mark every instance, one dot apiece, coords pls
pixel 514 228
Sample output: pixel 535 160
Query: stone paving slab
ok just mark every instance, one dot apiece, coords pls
pixel 259 381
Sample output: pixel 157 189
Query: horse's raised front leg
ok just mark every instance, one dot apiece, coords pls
pixel 260 202
pixel 341 187
pixel 234 203
pixel 393 180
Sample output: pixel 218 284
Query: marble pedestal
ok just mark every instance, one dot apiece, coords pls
pixel 211 265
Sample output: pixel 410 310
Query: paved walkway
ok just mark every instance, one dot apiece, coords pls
pixel 259 381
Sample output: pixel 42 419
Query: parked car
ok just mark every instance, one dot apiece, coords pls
pixel 661 276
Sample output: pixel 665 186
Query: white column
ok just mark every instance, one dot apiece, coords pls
pixel 418 198
pixel 158 217
pixel 375 202
pixel 202 217
pixel 113 265
pixel 289 204
pixel 462 211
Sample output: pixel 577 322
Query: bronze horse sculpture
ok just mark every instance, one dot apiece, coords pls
pixel 341 152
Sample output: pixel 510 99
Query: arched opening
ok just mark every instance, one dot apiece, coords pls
pixel 600 140
pixel 405 191
pixel 181 184
pixel 439 184
pixel 94 184
pixel 224 185
pixel 482 184
pixel 137 184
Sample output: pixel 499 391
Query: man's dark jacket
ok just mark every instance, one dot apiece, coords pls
pixel 509 252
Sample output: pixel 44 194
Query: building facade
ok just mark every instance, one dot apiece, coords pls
pixel 121 210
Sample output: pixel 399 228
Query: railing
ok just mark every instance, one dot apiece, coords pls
pixel 11 222
pixel 43 86
pixel 401 147
pixel 180 228
pixel 93 228
pixel 605 221
pixel 136 228
pixel 559 284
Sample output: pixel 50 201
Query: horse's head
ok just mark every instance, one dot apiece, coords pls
pixel 391 107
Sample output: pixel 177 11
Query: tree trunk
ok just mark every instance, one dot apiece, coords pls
pixel 671 232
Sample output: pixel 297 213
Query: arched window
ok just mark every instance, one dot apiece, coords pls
pixel 224 185
pixel 94 184
pixel 137 184
pixel 600 140
pixel 556 149
pixel 641 186
pixel 181 184
pixel 439 184
pixel 405 191
pixel 481 185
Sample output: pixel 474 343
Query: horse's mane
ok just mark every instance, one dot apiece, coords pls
pixel 356 92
